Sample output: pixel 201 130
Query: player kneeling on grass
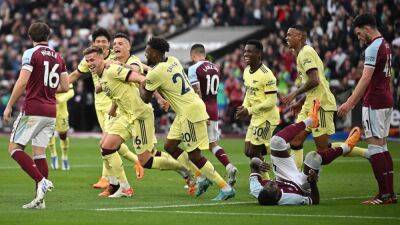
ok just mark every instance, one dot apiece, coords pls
pixel 135 120
pixel 291 186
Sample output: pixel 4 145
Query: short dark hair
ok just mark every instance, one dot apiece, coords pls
pixel 122 35
pixel 93 49
pixel 159 44
pixel 199 48
pixel 256 43
pixel 39 32
pixel 101 32
pixel 299 27
pixel 267 198
pixel 364 19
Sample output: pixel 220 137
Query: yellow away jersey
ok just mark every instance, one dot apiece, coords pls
pixel 134 60
pixel 261 96
pixel 308 59
pixel 102 102
pixel 125 94
pixel 170 80
pixel 62 99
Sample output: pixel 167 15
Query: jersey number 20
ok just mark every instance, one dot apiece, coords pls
pixel 51 78
pixel 184 88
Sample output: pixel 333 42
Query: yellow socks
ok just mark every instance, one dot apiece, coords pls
pixel 64 144
pixel 116 168
pixel 52 147
pixel 184 160
pixel 127 154
pixel 209 171
pixel 165 163
pixel 356 152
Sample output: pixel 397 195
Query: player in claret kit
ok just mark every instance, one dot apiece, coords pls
pixel 43 73
pixel 292 187
pixel 204 78
pixel 374 87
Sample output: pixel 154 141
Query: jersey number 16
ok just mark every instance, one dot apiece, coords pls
pixel 51 78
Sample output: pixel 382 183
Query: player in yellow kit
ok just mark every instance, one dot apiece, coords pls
pixel 62 127
pixel 259 103
pixel 102 38
pixel 135 119
pixel 314 86
pixel 190 124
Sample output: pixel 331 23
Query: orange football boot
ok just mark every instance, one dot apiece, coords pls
pixel 102 183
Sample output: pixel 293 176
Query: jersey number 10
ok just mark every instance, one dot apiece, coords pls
pixel 51 78
pixel 212 84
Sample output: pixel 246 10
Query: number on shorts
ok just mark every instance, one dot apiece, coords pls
pixel 212 84
pixel 138 141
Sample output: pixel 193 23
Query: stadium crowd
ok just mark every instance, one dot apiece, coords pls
pixel 330 34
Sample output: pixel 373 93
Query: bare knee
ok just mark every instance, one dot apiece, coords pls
pixel 171 145
pixel 63 136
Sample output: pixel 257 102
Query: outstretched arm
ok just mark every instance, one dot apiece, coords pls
pixel 357 93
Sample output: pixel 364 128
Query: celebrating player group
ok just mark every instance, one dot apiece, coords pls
pixel 124 88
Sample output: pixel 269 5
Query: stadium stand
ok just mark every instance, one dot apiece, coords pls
pixel 329 24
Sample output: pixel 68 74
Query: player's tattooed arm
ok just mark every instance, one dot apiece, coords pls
pixel 64 83
pixel 74 76
pixel 313 179
pixel 196 88
pixel 312 82
pixel 357 93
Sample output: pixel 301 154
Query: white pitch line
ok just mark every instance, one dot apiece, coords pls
pixel 265 214
pixel 211 204
pixel 172 206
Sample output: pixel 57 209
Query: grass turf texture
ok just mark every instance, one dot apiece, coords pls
pixel 161 199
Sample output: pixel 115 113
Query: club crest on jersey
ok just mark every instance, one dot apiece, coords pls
pixel 306 61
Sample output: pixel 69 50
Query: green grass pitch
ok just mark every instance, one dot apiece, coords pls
pixel 161 199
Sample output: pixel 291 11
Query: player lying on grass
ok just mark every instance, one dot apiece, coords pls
pixel 292 187
pixel 135 120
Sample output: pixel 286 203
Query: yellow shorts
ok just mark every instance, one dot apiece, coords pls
pixel 326 124
pixel 260 135
pixel 192 135
pixel 141 131
pixel 62 125
pixel 104 119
